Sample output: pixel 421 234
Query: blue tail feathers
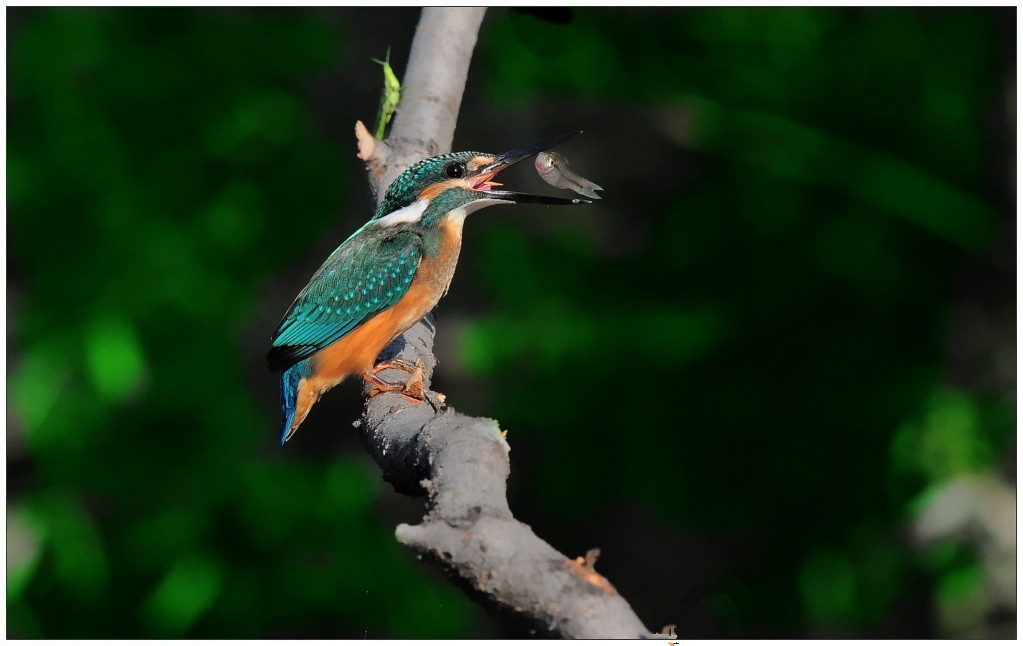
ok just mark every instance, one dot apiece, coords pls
pixel 290 379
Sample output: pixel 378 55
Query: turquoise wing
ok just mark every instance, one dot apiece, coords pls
pixel 363 276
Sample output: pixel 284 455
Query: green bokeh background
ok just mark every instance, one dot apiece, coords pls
pixel 739 374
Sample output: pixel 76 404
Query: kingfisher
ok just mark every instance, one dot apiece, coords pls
pixel 386 276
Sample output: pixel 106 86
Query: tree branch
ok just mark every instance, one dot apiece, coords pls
pixel 461 463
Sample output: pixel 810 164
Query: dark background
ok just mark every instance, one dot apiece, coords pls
pixel 759 374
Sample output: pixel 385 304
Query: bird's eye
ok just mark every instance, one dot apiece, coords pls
pixel 455 171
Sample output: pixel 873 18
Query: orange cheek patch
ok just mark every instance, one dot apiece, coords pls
pixel 433 190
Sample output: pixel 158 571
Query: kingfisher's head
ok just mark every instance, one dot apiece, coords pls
pixel 456 184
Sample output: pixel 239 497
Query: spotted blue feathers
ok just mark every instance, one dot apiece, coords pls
pixel 357 281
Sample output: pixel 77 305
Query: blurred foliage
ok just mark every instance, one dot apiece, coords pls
pixel 777 343
pixel 785 329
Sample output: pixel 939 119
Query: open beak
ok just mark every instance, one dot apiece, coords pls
pixel 512 157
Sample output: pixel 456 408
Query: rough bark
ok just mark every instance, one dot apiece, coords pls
pixel 461 463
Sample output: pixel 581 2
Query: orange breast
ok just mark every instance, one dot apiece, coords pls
pixel 356 353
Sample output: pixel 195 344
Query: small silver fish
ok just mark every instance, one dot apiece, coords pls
pixel 553 168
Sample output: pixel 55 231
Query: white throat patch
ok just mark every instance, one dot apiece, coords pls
pixel 406 215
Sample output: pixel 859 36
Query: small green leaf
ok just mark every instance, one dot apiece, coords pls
pixel 390 96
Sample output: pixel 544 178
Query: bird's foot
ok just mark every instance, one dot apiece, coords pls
pixel 412 388
pixel 398 364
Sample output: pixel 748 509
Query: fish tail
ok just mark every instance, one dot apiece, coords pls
pixel 589 189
